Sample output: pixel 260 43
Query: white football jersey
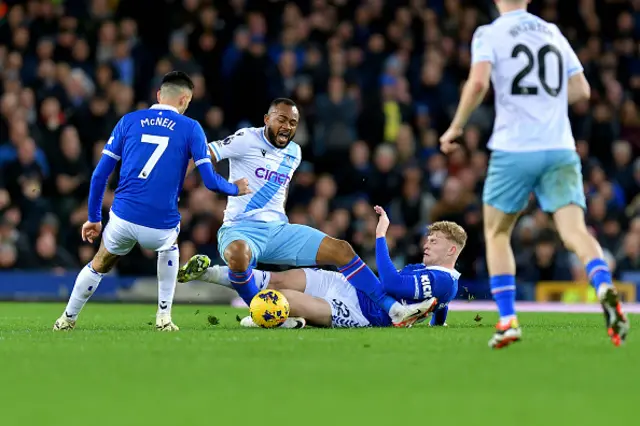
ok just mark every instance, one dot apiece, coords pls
pixel 269 170
pixel 532 63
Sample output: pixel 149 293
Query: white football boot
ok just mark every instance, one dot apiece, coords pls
pixel 405 316
pixel 64 324
pixel 164 323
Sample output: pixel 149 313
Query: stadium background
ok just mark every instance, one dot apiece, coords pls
pixel 376 81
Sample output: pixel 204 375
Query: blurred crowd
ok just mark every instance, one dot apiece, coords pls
pixel 376 82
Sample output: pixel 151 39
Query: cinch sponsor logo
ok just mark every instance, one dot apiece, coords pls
pixel 272 176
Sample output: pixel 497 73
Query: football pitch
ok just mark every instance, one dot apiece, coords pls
pixel 115 369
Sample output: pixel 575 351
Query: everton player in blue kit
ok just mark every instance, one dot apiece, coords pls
pixel 327 299
pixel 155 146
pixel 256 227
pixel 434 277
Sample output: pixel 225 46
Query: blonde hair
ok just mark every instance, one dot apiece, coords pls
pixel 452 232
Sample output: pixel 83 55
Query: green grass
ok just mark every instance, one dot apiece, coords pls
pixel 114 369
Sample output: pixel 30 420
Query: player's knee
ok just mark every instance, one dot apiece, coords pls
pixel 495 232
pixel 341 251
pixel 238 256
pixel 571 227
pixel 575 236
pixel 174 249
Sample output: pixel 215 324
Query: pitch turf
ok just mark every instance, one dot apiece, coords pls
pixel 114 369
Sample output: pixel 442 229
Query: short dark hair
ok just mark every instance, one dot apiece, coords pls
pixel 279 101
pixel 178 78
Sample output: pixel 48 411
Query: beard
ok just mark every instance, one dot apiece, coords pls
pixel 273 138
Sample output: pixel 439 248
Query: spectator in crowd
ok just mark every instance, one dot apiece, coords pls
pixel 376 83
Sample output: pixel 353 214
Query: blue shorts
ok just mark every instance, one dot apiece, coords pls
pixel 277 243
pixel 554 176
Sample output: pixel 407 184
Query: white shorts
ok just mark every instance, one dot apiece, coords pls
pixel 333 288
pixel 120 236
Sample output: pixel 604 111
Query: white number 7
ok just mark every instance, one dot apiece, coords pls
pixel 162 142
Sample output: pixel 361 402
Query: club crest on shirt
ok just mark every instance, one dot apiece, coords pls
pixel 289 159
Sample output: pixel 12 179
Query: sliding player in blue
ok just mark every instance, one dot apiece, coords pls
pixel 257 229
pixel 155 146
pixel 326 299
pixel 434 277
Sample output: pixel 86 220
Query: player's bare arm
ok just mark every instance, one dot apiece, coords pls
pixel 578 88
pixel 473 93
pixel 383 222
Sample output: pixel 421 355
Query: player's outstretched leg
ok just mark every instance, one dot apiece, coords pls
pixel 197 268
pixel 86 284
pixel 573 232
pixel 502 269
pixel 340 253
pixel 168 264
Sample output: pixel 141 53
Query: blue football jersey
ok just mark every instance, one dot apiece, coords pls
pixel 418 282
pixel 423 282
pixel 433 281
pixel 155 146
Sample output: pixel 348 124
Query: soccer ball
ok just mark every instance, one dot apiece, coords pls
pixel 269 308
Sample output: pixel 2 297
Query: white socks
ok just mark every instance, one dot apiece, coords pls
pixel 86 284
pixel 220 275
pixel 262 279
pixel 168 265
pixel 217 275
pixel 507 319
pixel 88 280
pixel 397 311
pixel 602 290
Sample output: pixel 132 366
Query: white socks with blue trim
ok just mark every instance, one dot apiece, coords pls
pixel 86 284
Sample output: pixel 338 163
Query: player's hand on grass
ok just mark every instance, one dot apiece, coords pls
pixel 243 186
pixel 383 222
pixel 91 230
pixel 448 139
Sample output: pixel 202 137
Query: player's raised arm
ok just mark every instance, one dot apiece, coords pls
pixel 399 286
pixel 202 160
pixel 110 156
pixel 475 88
